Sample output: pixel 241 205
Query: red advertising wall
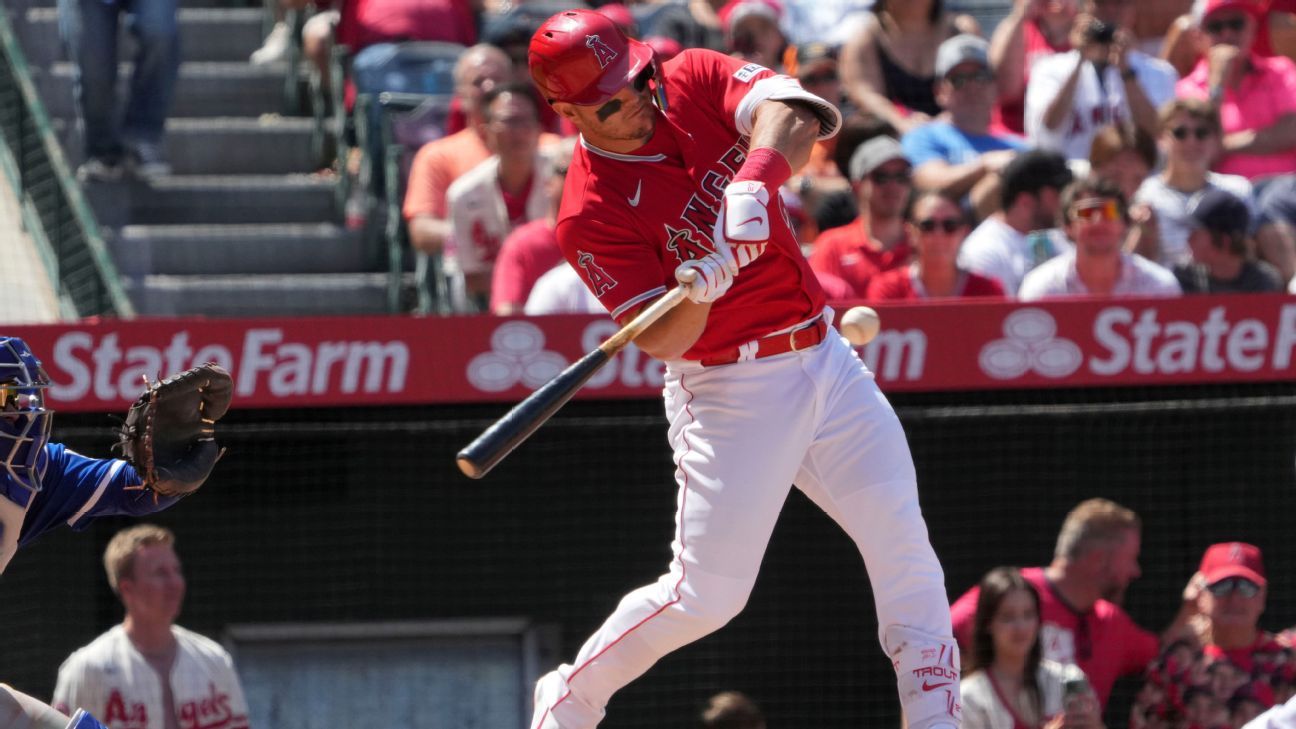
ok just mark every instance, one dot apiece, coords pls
pixel 98 365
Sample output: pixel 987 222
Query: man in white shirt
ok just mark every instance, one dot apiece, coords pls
pixel 1095 217
pixel 1104 81
pixel 1017 238
pixel 148 672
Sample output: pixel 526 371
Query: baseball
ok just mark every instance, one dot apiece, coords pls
pixel 859 325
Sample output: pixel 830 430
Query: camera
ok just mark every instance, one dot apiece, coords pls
pixel 1100 32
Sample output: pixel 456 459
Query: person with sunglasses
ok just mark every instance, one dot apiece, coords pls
pixel 674 190
pixel 1233 658
pixel 1095 218
pixel 937 227
pixel 1255 95
pixel 958 154
pixel 45 485
pixel 876 241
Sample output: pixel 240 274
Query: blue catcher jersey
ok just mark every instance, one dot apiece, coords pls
pixel 76 489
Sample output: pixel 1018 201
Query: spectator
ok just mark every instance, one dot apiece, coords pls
pixel 823 21
pixel 1153 21
pixel 937 226
pixel 1103 81
pixel 359 24
pixel 1220 263
pixel 1189 140
pixel 148 672
pixel 816 69
pixel 490 200
pixel 732 710
pixel 751 29
pixel 1276 236
pixel 1282 716
pixel 958 155
pixel 691 24
pixel 1034 29
pixel 1231 675
pixel 1080 595
pixel 1255 95
pixel 89 30
pixel 1095 219
pixel 532 249
pixel 560 290
pixel 1016 239
pixel 1007 684
pixel 1125 156
pixel 888 66
pixel 442 161
pixel 876 240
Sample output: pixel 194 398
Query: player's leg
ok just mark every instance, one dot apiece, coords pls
pixel 860 473
pixel 738 440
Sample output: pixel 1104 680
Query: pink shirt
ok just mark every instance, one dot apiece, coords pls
pixel 1104 642
pixel 526 254
pixel 1266 93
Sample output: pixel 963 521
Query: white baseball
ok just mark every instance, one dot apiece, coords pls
pixel 859 325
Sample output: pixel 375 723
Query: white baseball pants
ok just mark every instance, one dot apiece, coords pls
pixel 742 434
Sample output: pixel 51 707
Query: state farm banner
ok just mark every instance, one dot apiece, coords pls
pixel 98 366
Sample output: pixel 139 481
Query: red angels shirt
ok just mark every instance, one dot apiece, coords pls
pixel 1104 642
pixel 526 255
pixel 848 253
pixel 627 221
pixel 903 284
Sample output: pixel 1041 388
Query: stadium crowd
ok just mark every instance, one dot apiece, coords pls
pixel 1080 148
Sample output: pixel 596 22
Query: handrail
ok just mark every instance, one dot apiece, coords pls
pixel 54 207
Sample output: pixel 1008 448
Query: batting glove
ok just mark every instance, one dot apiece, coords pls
pixel 745 212
pixel 707 278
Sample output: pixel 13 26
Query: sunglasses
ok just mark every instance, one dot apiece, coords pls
pixel 1097 211
pixel 1215 27
pixel 1230 585
pixel 1181 133
pixel 948 225
pixel 643 77
pixel 959 80
pixel 881 178
pixel 14 399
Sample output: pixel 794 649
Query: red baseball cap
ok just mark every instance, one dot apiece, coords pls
pixel 1249 6
pixel 1232 559
pixel 582 57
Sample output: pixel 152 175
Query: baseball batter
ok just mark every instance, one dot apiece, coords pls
pixel 44 485
pixel 676 180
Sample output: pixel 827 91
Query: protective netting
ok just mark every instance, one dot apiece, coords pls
pixel 361 515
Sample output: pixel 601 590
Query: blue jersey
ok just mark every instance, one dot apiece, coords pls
pixel 75 489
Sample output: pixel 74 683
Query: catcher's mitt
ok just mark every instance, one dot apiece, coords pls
pixel 169 435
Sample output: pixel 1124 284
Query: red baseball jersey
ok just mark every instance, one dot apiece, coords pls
pixel 903 284
pixel 849 253
pixel 628 220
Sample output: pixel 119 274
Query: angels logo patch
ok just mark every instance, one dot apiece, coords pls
pixel 599 280
pixel 602 51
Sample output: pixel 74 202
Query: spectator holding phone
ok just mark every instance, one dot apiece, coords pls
pixel 1006 683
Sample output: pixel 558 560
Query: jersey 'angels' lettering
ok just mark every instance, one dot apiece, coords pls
pixel 602 51
pixel 117 715
pixel 699 215
pixel 599 280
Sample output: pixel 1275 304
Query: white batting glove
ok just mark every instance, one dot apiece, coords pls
pixel 707 278
pixel 745 211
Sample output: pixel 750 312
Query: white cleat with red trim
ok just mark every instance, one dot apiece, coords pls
pixel 556 707
pixel 927 676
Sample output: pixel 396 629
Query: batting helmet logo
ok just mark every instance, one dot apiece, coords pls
pixel 605 54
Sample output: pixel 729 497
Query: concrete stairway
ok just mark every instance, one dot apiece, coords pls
pixel 243 227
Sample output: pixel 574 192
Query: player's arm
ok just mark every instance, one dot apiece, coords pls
pixel 787 127
pixel 20 711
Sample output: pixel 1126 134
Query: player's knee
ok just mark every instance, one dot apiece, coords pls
pixel 713 608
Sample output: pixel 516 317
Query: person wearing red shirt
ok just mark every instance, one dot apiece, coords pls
pixel 937 227
pixel 1095 560
pixel 877 240
pixel 674 191
pixel 531 250
pixel 1032 30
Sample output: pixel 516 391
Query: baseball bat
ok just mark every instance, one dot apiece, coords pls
pixel 507 433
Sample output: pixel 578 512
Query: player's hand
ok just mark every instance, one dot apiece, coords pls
pixel 744 214
pixel 707 278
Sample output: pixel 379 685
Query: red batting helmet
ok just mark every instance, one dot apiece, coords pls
pixel 582 57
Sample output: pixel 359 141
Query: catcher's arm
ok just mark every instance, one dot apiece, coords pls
pixel 170 432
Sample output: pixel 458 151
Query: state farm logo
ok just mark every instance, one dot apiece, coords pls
pixel 517 355
pixel 1030 344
